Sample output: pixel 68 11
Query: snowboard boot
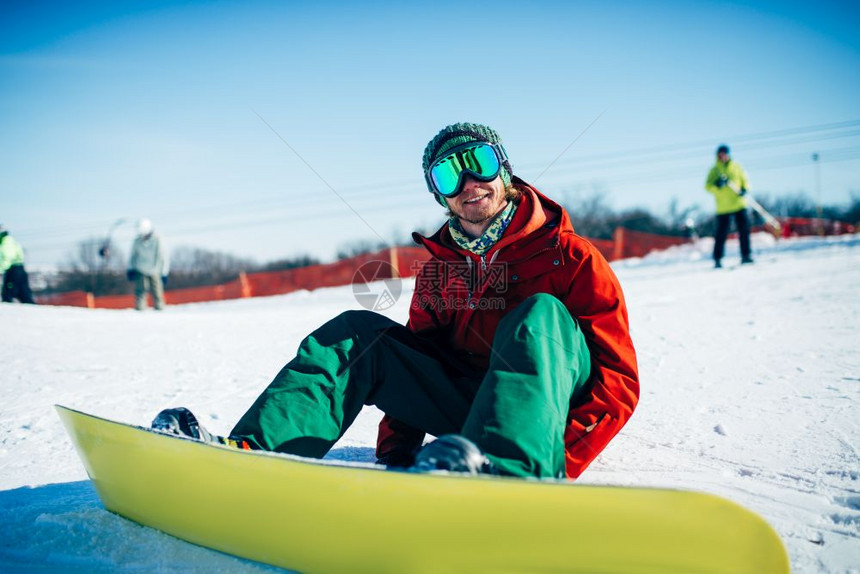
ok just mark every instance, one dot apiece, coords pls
pixel 746 260
pixel 182 422
pixel 453 453
pixel 717 264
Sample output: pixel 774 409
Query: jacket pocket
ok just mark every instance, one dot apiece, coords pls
pixel 576 432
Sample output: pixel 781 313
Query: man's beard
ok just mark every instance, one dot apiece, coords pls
pixel 511 194
pixel 477 220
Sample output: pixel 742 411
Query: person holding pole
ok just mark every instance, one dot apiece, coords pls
pixel 728 183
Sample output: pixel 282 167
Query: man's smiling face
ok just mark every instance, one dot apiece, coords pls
pixel 478 203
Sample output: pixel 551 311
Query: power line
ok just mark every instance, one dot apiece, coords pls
pixel 770 163
pixel 624 158
pixel 322 213
pixel 419 200
pixel 656 150
pixel 416 195
pixel 691 153
pixel 614 159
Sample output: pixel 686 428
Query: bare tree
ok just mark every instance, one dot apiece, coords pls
pixel 591 216
pixel 290 263
pixel 851 213
pixel 347 250
pixel 195 267
pixel 791 205
pixel 86 270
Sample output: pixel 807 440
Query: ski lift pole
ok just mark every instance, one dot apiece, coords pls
pixel 104 250
pixel 819 222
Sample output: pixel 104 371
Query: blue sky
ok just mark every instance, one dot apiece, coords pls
pixel 273 129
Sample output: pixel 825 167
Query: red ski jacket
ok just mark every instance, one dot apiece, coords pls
pixel 541 254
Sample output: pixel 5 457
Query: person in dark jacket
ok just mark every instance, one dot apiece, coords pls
pixel 516 355
pixel 16 283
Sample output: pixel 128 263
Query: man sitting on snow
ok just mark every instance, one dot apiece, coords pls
pixel 516 354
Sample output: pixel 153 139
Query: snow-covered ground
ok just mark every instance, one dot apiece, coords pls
pixel 750 390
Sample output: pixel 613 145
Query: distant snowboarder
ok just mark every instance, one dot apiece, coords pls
pixel 517 341
pixel 723 177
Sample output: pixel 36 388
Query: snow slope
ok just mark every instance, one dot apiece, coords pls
pixel 750 386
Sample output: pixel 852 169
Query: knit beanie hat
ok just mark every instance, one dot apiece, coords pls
pixel 457 134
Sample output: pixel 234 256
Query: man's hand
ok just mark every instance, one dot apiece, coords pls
pixel 131 274
pixel 742 192
pixel 722 181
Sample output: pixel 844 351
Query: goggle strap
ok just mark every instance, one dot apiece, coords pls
pixel 457 134
pixel 500 152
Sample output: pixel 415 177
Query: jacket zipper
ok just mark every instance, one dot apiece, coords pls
pixel 591 427
pixel 469 286
pixel 484 264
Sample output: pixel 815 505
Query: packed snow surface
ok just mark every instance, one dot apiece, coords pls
pixel 750 387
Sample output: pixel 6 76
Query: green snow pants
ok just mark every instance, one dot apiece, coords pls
pixel 516 411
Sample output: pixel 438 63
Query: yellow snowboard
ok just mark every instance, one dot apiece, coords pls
pixel 312 516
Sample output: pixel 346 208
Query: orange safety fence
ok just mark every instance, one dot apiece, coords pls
pixel 403 261
pixel 628 243
pixel 328 274
pixel 605 246
pixel 802 226
pixel 229 290
pixel 70 299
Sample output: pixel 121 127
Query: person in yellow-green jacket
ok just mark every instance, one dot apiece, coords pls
pixel 16 284
pixel 727 181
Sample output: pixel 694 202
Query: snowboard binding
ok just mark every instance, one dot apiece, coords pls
pixel 181 422
pixel 452 453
